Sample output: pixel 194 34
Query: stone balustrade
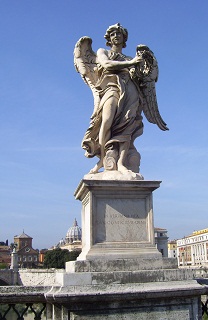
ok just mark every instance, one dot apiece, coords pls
pixel 81 302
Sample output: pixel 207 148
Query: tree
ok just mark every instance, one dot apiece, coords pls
pixel 56 258
pixel 3 265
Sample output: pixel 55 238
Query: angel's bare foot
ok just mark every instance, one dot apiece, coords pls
pixel 97 167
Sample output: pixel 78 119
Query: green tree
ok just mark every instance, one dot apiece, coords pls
pixel 56 258
pixel 3 265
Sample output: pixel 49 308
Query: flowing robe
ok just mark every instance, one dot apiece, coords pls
pixel 127 123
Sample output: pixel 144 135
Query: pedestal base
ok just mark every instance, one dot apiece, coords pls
pixel 117 219
pixel 120 274
pixel 150 301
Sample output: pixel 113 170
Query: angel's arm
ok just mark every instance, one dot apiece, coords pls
pixel 106 63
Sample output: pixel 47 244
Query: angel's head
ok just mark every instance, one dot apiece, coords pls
pixel 116 27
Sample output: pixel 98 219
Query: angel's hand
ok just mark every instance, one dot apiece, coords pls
pixel 136 60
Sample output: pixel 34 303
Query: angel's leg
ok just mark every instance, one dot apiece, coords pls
pixel 108 113
pixel 123 151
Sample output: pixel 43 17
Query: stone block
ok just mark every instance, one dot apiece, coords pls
pixel 162 300
pixel 117 219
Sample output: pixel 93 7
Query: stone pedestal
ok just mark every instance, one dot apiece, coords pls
pixel 120 274
pixel 117 219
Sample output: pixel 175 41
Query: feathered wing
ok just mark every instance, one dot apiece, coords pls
pixel 148 78
pixel 150 106
pixel 85 63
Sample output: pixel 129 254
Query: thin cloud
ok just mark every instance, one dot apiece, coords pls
pixel 49 149
pixel 180 150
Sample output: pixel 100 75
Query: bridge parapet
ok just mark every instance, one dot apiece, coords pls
pixel 6 277
pixel 74 302
pixel 29 277
pixel 116 295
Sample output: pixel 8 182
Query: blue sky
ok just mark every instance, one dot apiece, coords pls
pixel 45 109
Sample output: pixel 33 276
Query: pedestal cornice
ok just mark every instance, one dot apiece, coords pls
pixel 86 185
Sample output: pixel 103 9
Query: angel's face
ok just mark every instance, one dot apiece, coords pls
pixel 116 37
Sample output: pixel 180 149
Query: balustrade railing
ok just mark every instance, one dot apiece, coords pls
pixel 204 298
pixel 20 303
pixel 204 304
pixel 26 311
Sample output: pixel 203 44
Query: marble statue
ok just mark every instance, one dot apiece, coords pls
pixel 123 88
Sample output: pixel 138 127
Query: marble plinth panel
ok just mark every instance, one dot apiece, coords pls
pixel 117 219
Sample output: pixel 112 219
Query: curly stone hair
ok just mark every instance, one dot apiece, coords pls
pixel 119 27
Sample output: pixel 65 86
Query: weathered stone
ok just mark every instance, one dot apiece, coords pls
pixel 124 277
pixel 37 277
pixel 175 300
pixel 103 265
pixel 117 220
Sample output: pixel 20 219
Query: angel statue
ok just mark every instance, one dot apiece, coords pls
pixel 123 88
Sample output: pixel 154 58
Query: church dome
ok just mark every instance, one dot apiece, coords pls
pixel 74 233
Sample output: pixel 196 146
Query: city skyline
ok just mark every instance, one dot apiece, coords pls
pixel 46 108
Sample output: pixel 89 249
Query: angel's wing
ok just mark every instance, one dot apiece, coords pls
pixel 148 77
pixel 85 63
pixel 150 106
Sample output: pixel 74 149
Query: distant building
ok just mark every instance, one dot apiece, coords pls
pixel 42 253
pixel 192 250
pixel 5 254
pixel 161 241
pixel 27 256
pixel 73 239
pixel 172 249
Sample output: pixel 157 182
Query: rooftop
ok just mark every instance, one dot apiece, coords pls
pixel 23 236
